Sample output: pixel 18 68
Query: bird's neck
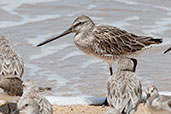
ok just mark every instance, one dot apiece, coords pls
pixel 86 29
pixel 151 99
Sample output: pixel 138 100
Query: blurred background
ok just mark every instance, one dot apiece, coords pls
pixel 61 65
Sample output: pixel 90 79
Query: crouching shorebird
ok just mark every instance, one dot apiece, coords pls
pixel 124 88
pixel 32 102
pixel 13 89
pixel 105 42
pixel 157 104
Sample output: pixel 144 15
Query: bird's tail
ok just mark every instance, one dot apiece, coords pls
pixel 150 41
pixel 42 89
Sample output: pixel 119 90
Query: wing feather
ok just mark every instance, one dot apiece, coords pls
pixel 124 91
pixel 10 62
pixel 115 41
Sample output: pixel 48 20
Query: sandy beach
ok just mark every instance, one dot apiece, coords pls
pixel 79 109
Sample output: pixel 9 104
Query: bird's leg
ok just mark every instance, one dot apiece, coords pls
pixel 8 105
pixel 105 103
pixel 135 64
pixel 111 71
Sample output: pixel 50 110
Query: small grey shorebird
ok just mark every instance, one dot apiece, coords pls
pixel 124 88
pixel 32 102
pixel 13 89
pixel 157 104
pixel 10 62
pixel 167 50
pixel 105 42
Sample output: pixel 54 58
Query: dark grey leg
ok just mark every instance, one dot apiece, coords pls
pixel 111 71
pixel 135 64
pixel 167 50
pixel 105 103
pixel 8 105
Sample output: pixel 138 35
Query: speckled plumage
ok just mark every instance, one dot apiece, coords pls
pixel 105 42
pixel 10 62
pixel 124 88
pixel 32 102
pixel 158 104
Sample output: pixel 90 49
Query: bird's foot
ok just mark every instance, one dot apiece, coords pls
pixel 105 103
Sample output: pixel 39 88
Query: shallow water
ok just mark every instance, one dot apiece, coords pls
pixel 61 64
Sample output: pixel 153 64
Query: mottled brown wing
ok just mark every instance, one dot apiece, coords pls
pixel 10 62
pixel 11 85
pixel 166 102
pixel 114 41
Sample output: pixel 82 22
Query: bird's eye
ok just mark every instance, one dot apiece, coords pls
pixel 23 85
pixel 80 23
pixel 152 90
pixel 26 104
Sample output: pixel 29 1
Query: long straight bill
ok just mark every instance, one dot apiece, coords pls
pixel 167 50
pixel 59 36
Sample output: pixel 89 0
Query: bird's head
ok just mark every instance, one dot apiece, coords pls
pixel 29 86
pixel 26 106
pixel 127 64
pixel 82 23
pixel 151 91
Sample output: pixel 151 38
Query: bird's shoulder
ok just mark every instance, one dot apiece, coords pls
pixel 44 104
pixel 116 41
pixel 114 32
pixel 123 81
pixel 100 29
pixel 162 103
pixel 166 101
pixel 11 80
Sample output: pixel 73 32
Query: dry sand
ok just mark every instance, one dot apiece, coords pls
pixel 76 109
pixel 81 109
